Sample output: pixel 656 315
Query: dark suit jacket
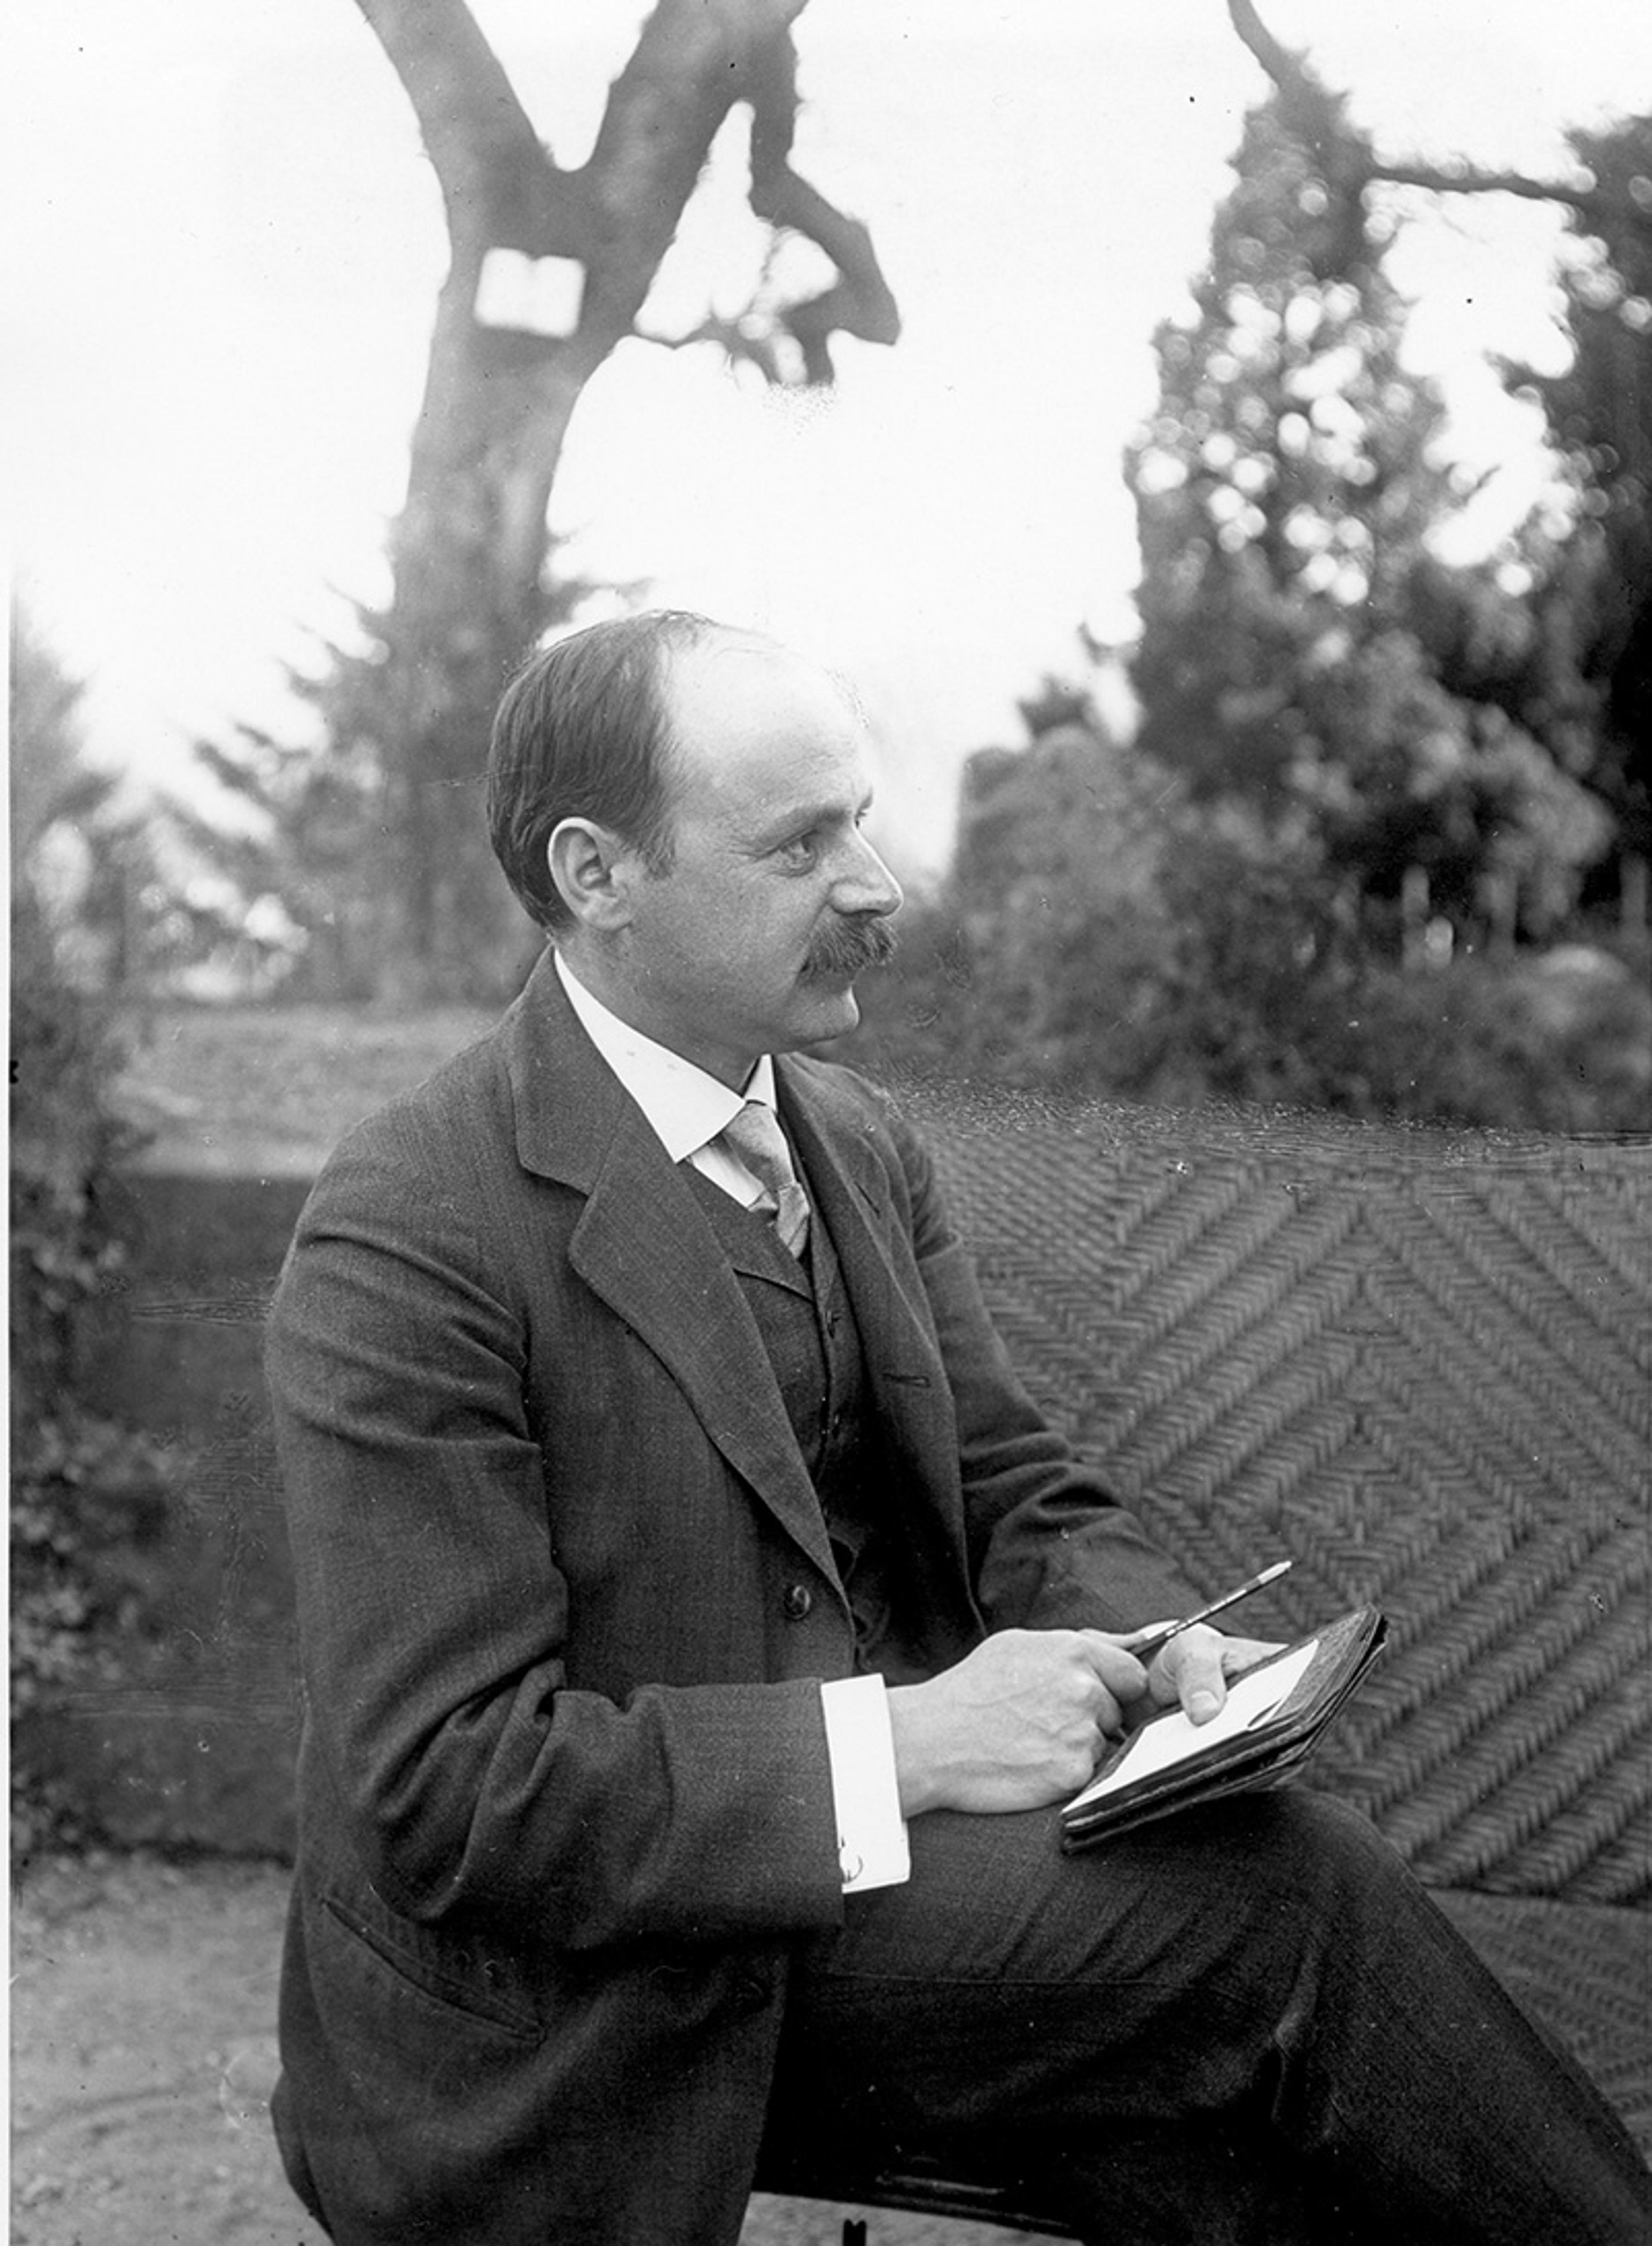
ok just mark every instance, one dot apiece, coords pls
pixel 565 1599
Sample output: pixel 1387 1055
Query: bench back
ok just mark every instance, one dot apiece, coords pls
pixel 1418 1363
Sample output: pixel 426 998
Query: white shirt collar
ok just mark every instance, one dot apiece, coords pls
pixel 686 1106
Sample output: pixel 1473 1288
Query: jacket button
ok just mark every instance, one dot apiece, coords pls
pixel 796 1601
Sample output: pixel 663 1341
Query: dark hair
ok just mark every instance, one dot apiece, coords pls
pixel 583 732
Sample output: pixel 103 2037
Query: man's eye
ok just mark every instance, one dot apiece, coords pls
pixel 800 853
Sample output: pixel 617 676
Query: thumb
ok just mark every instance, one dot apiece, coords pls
pixel 1192 1667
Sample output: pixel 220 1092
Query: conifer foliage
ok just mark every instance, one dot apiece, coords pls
pixel 1291 489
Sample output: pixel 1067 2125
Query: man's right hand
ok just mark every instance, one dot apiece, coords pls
pixel 1018 1723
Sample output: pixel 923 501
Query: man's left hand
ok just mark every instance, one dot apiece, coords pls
pixel 1195 1667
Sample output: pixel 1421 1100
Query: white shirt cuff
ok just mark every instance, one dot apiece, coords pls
pixel 872 1834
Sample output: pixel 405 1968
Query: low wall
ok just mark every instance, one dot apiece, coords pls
pixel 1415 1361
pixel 191 1744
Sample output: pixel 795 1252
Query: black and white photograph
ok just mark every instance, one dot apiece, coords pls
pixel 830 1124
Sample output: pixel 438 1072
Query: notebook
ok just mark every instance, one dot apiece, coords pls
pixel 1275 1713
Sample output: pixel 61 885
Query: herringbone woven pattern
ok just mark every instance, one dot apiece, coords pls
pixel 1419 1364
pixel 1586 1972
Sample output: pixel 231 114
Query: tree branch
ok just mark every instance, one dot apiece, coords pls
pixel 489 162
pixel 741 340
pixel 1467 180
pixel 860 302
pixel 1281 64
pixel 1310 108
pixel 687 71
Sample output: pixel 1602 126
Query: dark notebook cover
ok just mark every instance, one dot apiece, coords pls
pixel 1277 1711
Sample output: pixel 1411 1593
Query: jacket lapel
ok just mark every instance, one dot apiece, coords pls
pixel 645 1246
pixel 904 1366
pixel 847 1180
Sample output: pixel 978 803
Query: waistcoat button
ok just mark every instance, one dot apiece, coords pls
pixel 796 1601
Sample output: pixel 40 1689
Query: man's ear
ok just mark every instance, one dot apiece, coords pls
pixel 594 872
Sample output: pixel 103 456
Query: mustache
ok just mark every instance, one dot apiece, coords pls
pixel 848 946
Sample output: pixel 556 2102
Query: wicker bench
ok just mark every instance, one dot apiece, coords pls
pixel 1419 1364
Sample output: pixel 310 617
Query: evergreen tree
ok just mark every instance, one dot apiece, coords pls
pixel 85 886
pixel 1572 662
pixel 1354 762
pixel 1599 594
pixel 1287 490
pixel 302 857
pixel 72 911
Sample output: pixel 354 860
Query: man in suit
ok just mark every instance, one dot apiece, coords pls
pixel 699 1625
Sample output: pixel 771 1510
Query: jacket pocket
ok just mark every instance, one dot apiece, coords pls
pixel 459 1993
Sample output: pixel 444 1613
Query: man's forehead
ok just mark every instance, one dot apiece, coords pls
pixel 738 691
pixel 735 661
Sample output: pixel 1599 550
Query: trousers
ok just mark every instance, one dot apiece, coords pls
pixel 1247 2026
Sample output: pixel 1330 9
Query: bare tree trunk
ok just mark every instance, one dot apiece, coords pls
pixel 508 364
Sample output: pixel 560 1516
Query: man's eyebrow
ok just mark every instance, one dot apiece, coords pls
pixel 799 818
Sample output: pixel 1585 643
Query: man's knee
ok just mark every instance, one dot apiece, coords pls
pixel 1316 1837
pixel 1305 1882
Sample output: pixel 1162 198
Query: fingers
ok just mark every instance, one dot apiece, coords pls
pixel 1095 1681
pixel 1024 1718
pixel 1020 1721
pixel 1195 1667
pixel 1146 1632
pixel 1115 1667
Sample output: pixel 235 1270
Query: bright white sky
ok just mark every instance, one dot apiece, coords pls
pixel 228 243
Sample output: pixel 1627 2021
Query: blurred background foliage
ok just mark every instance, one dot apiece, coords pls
pixel 1369 829
pixel 84 891
pixel 1379 839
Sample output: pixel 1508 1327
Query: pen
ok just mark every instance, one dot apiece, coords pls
pixel 1147 1642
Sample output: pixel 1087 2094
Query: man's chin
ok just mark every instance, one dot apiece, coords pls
pixel 833 1012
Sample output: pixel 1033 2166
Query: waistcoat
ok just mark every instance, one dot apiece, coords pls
pixel 813 1345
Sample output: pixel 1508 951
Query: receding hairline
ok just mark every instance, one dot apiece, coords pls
pixel 721 639
pixel 691 638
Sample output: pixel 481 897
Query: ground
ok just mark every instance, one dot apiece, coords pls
pixel 142 2014
pixel 143 2006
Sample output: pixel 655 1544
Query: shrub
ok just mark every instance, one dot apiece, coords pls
pixel 65 1252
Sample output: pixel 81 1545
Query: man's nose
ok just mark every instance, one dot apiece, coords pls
pixel 866 884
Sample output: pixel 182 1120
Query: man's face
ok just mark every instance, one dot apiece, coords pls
pixel 774 899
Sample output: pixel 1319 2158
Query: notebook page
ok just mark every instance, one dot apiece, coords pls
pixel 1172 1737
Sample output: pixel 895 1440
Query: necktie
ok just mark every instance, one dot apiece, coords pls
pixel 755 1135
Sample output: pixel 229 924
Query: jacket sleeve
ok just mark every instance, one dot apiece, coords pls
pixel 468 1775
pixel 1049 1545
